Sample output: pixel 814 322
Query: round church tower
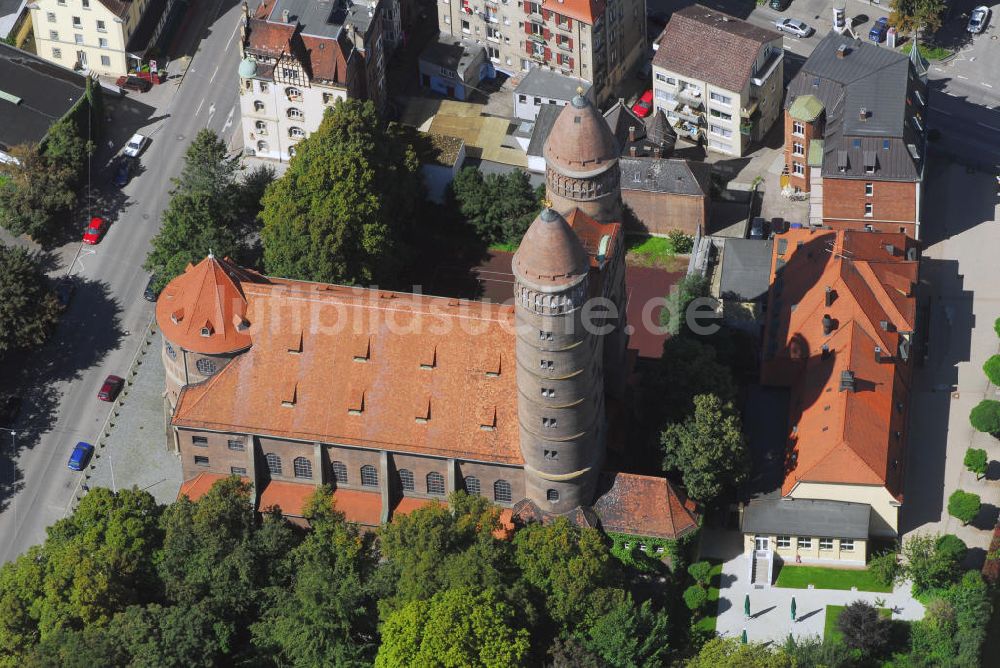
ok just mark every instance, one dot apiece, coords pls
pixel 559 368
pixel 581 163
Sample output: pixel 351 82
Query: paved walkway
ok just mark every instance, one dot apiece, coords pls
pixel 770 608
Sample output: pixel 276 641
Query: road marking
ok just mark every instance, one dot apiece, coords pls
pixel 991 127
pixel 948 92
pixel 79 259
pixel 987 84
pixel 229 119
pixel 938 69
pixel 199 106
pixel 234 32
pixel 959 76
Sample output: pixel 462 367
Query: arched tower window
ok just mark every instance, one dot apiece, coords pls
pixel 303 468
pixel 551 496
pixel 435 483
pixel 369 476
pixel 501 491
pixel 273 463
pixel 406 479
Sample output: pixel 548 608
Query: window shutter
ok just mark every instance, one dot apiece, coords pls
pixel 569 44
pixel 527 48
pixel 569 62
pixel 569 23
pixel 546 14
pixel 558 59
pixel 546 33
pixel 527 28
pixel 527 8
pixel 548 53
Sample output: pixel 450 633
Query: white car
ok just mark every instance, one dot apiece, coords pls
pixel 793 26
pixel 135 145
pixel 978 20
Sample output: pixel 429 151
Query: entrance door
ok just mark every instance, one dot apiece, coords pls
pixel 760 543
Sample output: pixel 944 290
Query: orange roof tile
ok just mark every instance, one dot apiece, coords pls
pixel 198 486
pixel 643 505
pixel 201 310
pixel 590 233
pixel 341 397
pixel 290 497
pixel 408 504
pixel 587 11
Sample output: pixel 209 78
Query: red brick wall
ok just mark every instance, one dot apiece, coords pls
pixel 354 459
pixel 288 451
pixel 894 205
pixel 659 213
pixel 220 457
pixel 800 182
pixel 489 474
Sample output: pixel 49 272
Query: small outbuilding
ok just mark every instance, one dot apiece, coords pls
pixel 540 86
pixel 454 67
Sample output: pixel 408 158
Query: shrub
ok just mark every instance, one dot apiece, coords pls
pixel 992 369
pixel 951 548
pixel 963 505
pixel 695 597
pixel 996 326
pixel 985 417
pixel 977 461
pixel 701 571
pixel 885 568
pixel 991 569
pixel 864 629
pixel 681 242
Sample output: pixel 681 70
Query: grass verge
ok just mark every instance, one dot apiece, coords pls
pixel 800 577
pixel 648 251
pixel 928 52
pixel 707 623
pixel 830 631
pixel 504 247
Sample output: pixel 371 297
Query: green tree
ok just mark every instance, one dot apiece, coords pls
pixel 327 617
pixel 167 636
pixel 28 309
pixel 64 145
pixel 708 448
pixel 731 653
pixel 985 416
pixel 630 636
pixel 964 505
pixel 500 207
pixel 932 639
pixel 972 603
pixel 688 367
pixel 864 629
pixel 977 461
pixel 682 242
pixel 701 572
pixel 37 194
pixel 338 215
pixel 72 648
pixel 675 314
pixel 695 598
pixel 996 326
pixel 931 562
pixel 815 651
pixel 885 568
pixel 571 653
pixel 992 369
pixel 457 628
pixel 911 16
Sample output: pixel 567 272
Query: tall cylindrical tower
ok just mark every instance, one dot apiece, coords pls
pixel 559 368
pixel 581 163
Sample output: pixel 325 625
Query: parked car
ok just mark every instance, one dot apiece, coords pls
pixel 794 26
pixel 98 226
pixel 134 84
pixel 10 408
pixel 644 105
pixel 779 5
pixel 111 387
pixel 81 454
pixel 123 171
pixel 150 294
pixel 979 19
pixel 758 228
pixel 135 145
pixel 879 30
pixel 64 291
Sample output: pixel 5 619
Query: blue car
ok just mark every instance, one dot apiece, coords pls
pixel 123 172
pixel 879 30
pixel 81 453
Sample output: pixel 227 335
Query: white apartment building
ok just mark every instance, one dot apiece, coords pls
pixel 728 100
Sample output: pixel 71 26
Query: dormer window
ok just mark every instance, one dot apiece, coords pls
pixel 355 401
pixel 428 359
pixel 177 316
pixel 289 394
pixel 362 348
pixel 488 418
pixel 423 410
pixel 207 330
pixel 293 93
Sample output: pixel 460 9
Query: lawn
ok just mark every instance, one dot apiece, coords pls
pixel 649 251
pixel 830 631
pixel 707 623
pixel 928 52
pixel 800 577
pixel 504 247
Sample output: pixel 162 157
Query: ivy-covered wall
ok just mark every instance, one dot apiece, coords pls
pixel 626 548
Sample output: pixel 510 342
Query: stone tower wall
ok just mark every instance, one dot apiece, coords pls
pixel 598 195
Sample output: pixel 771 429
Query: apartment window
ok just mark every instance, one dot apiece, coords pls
pixel 804 543
pixel 293 93
pixel 564 42
pixel 329 98
pixel 101 27
pixel 826 543
pixel 447 19
pixel 720 114
pixel 798 128
pixel 847 545
pixel 548 392
pixel 77 23
pixel 472 485
pixel 493 34
pixel 369 476
pixel 493 53
pixel 544 335
pixel 295 114
pixel 260 127
pixel 201 460
pixel 798 149
pixel 551 495
pixel 53 35
pixel 339 472
pixel 869 210
pixel 783 541
pixel 798 169
pixel 296 132
pixel 552 455
pixel 869 189
pixel 719 130
pixel 303 468
pixel 238 470
pixel 258 105
pixel 86 4
pixel 78 38
pixel 466 28
pixel 721 99
pixel 435 483
pixel 102 42
pixel 663 78
pixel 57 53
pixel 548 422
pixel 501 491
pixel 288 73
pixel 533 8
pixel 106 61
pixel 547 365
pixel 61 3
pixel 206 367
pixel 263 87
pixel 273 463
pixel 721 145
pixel 263 146
pixel 50 17
pixel 200 441
pixel 236 444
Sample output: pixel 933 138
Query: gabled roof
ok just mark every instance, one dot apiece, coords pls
pixel 587 11
pixel 665 175
pixel 550 85
pixel 643 506
pixel 709 45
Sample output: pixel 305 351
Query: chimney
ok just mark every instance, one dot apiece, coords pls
pixel 842 51
pixel 284 16
pixel 878 354
pixel 631 133
pixel 847 381
pixel 633 151
pixel 863 113
pixel 656 151
pixel 829 296
pixel 890 249
pixel 884 324
pixel 824 352
pixel 827 325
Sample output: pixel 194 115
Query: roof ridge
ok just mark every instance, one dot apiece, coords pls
pixel 865 268
pixel 861 310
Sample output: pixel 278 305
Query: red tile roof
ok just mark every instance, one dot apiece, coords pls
pixel 590 232
pixel 587 11
pixel 290 497
pixel 271 39
pixel 326 59
pixel 198 486
pixel 363 349
pixel 408 504
pixel 643 506
pixel 861 285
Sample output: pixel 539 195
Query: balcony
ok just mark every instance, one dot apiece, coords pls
pixel 691 97
pixel 750 109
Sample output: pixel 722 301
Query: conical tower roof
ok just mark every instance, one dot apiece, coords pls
pixel 580 142
pixel 659 133
pixel 203 310
pixel 550 254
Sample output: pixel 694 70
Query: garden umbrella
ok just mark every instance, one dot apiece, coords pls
pixel 743 637
pixel 746 606
pixel 793 608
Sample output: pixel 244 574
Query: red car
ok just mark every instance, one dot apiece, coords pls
pixel 111 387
pixel 644 106
pixel 98 226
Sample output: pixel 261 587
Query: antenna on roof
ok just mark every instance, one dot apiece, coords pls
pixel 211 256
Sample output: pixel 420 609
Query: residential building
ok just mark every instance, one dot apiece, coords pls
pixel 454 67
pixel 441 158
pixel 599 41
pixel 841 320
pixel 515 402
pixel 299 58
pixel 540 86
pixel 855 136
pixel 719 79
pixel 107 37
pixel 34 94
pixel 12 17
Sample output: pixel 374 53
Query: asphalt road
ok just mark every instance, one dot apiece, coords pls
pixel 102 329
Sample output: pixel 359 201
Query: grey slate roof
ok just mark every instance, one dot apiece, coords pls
pixel 884 84
pixel 551 85
pixel 620 118
pixel 807 517
pixel 675 176
pixel 547 114
pixel 454 55
pixel 746 269
pixel 323 19
pixel 47 92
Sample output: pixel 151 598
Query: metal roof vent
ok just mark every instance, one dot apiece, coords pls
pixel 842 51
pixel 863 113
pixel 847 381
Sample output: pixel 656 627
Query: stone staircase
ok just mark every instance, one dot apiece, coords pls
pixel 760 574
